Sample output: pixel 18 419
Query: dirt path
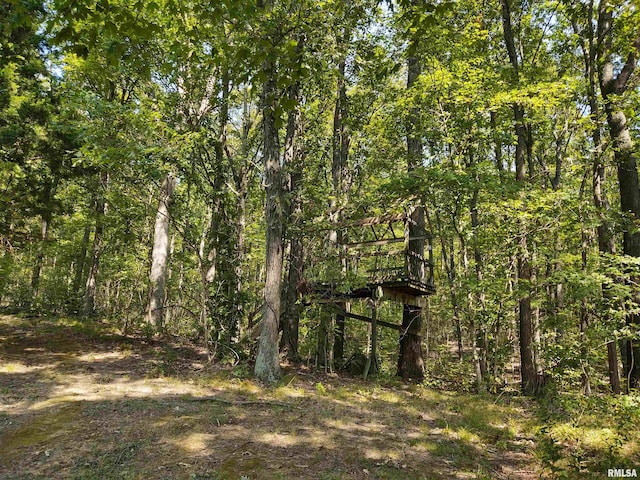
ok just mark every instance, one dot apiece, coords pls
pixel 79 403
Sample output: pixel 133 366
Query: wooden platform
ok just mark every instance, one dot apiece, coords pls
pixel 401 290
pixel 389 257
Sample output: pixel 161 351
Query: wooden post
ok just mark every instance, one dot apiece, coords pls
pixel 372 361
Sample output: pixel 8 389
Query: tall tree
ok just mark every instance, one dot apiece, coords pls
pixel 584 27
pixel 293 165
pixel 100 207
pixel 527 361
pixel 612 86
pixel 267 367
pixel 410 363
pixel 159 256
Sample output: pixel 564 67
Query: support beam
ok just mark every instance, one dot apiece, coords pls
pixel 366 222
pixel 362 318
pixel 384 241
pixel 372 361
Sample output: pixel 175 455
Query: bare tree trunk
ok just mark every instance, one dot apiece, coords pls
pixel 207 274
pixel 241 179
pixel 449 263
pixel 96 251
pixel 584 324
pixel 293 161
pixel 242 170
pixel 293 306
pixel 324 347
pixel 159 256
pixel 267 367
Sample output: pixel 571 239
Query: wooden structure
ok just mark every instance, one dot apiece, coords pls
pixel 388 257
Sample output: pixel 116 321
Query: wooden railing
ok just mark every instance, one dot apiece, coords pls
pixel 388 249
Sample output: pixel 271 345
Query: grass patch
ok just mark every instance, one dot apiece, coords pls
pixel 116 462
pixel 585 436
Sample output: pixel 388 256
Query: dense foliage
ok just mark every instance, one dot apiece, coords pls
pixel 116 115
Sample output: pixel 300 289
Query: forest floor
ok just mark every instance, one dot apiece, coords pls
pixel 80 402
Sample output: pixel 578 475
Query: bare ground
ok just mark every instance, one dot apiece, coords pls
pixel 77 402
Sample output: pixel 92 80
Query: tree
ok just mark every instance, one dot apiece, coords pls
pixel 267 366
pixel 527 361
pixel 612 86
pixel 159 256
pixel 410 363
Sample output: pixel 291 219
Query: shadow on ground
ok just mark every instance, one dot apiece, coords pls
pixel 86 405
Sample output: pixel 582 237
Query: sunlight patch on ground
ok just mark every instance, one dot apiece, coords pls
pixel 84 387
pixel 102 356
pixel 340 424
pixel 466 436
pixel 277 439
pixel 195 442
pixel 597 438
pixel 14 408
pixel 373 454
pixel 16 367
pixel 289 392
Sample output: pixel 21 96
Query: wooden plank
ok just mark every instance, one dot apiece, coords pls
pixel 381 242
pixel 363 318
pixel 399 268
pixel 395 294
pixel 379 220
pixel 375 253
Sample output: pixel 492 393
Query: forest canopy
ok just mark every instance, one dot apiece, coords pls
pixel 196 169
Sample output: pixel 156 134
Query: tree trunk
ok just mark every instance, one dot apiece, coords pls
pixel 338 338
pixel 584 324
pixel 45 222
pixel 340 150
pixel 497 142
pixel 480 296
pixel 207 269
pixel 241 227
pixel 80 264
pixel 324 348
pixel 410 362
pixel 527 362
pixel 611 86
pixel 293 306
pixel 293 161
pixel 267 367
pixel 235 313
pixel 606 240
pixel 242 175
pixel 96 251
pixel 614 374
pixel 159 257
pixel 372 360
